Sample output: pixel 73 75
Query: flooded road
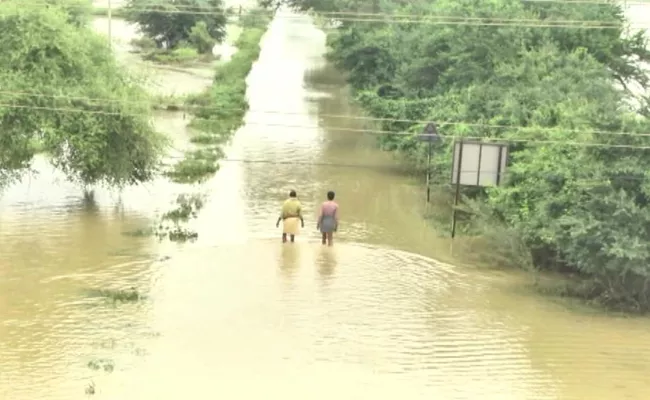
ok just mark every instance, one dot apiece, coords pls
pixel 238 314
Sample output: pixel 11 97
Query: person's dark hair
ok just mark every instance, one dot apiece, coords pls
pixel 330 195
pixel 292 193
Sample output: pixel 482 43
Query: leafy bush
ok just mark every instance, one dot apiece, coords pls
pixel 171 23
pixel 79 11
pixel 179 55
pixel 200 38
pixel 144 43
pixel 219 111
pixel 184 54
pixel 577 192
pixel 109 141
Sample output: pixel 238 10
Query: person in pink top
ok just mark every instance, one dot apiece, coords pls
pixel 328 220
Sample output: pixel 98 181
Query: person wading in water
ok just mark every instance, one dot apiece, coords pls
pixel 328 220
pixel 290 216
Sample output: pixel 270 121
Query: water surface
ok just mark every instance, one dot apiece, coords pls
pixel 239 314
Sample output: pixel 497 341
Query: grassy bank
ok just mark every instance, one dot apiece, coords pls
pixel 183 55
pixel 219 111
pixel 564 209
pixel 216 113
pixel 484 241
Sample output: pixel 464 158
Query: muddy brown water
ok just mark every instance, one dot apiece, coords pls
pixel 238 314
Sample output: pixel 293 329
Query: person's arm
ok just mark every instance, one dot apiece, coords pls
pixel 320 217
pixel 336 218
pixel 302 221
pixel 277 224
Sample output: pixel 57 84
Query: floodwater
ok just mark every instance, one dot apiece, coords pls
pixel 238 314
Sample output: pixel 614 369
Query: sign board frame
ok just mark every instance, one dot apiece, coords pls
pixel 476 163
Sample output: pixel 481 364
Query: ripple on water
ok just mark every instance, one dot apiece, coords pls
pixel 49 329
pixel 349 319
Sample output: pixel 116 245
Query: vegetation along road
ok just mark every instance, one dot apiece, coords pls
pixel 144 157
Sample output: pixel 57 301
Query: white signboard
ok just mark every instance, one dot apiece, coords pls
pixel 479 164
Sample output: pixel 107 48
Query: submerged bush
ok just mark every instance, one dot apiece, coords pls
pixel 219 111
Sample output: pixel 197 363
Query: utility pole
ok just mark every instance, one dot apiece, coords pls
pixel 110 23
pixel 429 135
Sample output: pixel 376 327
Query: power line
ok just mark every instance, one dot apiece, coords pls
pixel 461 21
pixel 620 3
pixel 363 15
pixel 156 6
pixel 554 176
pixel 344 13
pixel 405 133
pixel 427 19
pixel 334 116
pixel 365 131
pixel 226 10
pixel 335 14
pixel 312 164
pixel 449 20
pixel 351 12
pixel 411 18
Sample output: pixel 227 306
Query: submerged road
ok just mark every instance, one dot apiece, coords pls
pixel 238 314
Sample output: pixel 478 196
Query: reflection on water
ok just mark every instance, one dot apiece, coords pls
pixel 159 79
pixel 364 332
pixel 240 315
pixel 326 262
pixel 290 259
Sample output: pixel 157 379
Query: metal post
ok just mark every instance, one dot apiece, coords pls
pixel 429 170
pixel 110 23
pixel 429 134
pixel 457 196
pixel 498 182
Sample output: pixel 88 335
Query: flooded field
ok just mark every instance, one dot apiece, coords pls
pixel 373 317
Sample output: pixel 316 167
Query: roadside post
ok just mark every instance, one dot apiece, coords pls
pixel 430 135
pixel 477 164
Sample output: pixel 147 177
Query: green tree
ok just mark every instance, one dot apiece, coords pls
pixel 61 81
pixel 170 23
pixel 79 11
pixel 612 46
pixel 579 205
pixel 200 38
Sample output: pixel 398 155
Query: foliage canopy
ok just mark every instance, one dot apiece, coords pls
pixel 220 109
pixel 171 23
pixel 563 96
pixel 61 84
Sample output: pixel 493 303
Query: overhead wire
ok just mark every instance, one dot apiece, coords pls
pixel 313 164
pixel 155 7
pixel 411 19
pixel 591 2
pixel 368 131
pixel 462 21
pixel 443 123
pixel 351 12
pixel 453 20
pixel 428 19
pixel 396 166
pixel 363 15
